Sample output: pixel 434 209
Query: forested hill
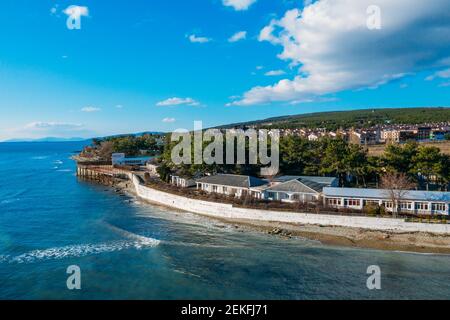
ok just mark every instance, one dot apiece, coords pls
pixel 355 118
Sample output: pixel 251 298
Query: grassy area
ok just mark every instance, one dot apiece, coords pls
pixel 378 150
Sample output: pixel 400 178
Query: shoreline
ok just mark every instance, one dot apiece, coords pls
pixel 412 242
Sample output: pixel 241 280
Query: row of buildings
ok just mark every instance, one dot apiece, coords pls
pixel 306 189
pixel 377 135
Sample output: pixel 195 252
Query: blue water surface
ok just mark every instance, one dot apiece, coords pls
pixel 50 220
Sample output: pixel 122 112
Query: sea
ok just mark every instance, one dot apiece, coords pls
pixel 50 221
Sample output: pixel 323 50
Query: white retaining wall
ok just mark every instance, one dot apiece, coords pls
pixel 221 210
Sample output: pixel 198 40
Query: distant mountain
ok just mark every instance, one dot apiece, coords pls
pixel 48 139
pixel 139 134
pixel 355 118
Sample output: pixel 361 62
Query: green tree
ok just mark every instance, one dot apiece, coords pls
pixel 356 162
pixel 335 153
pixel 428 164
pixel 400 158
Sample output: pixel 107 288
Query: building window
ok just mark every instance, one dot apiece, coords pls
pixel 388 204
pixel 371 203
pixel 334 202
pixel 352 202
pixel 271 195
pixel 422 206
pixel 438 206
pixel 225 190
pixel 215 188
pixel 282 196
pixel 406 205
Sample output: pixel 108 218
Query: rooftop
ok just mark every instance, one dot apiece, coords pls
pixel 232 180
pixel 320 180
pixel 298 186
pixel 383 193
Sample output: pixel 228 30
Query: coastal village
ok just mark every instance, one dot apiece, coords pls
pixel 375 135
pixel 326 192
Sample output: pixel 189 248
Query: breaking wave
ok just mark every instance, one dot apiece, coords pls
pixel 79 251
pixel 8 201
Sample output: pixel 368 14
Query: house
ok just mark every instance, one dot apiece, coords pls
pixel 233 185
pixel 298 188
pixel 120 159
pixel 313 137
pixel 423 133
pixel 182 182
pixel 390 136
pixel 117 158
pixel 414 202
pixel 152 168
pixel 365 137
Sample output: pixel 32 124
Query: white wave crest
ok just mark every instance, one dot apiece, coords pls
pixel 80 250
pixel 132 236
pixel 8 201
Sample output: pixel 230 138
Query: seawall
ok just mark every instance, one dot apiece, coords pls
pixel 227 211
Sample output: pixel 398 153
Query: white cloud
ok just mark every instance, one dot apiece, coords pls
pixel 90 109
pixel 40 125
pixel 177 102
pixel 119 106
pixel 241 35
pixel 259 67
pixel 76 12
pixel 333 49
pixel 274 73
pixel 194 39
pixel 444 74
pixel 238 5
pixel 315 100
pixel 169 120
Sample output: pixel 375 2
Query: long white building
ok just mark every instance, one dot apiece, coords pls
pixel 414 202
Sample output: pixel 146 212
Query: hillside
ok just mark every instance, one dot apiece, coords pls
pixel 355 118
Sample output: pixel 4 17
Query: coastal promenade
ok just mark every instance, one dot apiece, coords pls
pixel 228 211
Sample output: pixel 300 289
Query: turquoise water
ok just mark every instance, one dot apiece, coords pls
pixel 126 250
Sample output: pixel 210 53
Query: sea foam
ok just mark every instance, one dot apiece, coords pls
pixel 79 251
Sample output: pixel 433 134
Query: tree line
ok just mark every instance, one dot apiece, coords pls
pixel 425 166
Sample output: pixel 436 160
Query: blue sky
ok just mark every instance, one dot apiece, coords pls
pixel 142 65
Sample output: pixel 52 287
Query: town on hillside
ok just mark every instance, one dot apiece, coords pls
pixel 320 170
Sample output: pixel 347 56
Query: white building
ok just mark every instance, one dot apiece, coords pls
pixel 286 188
pixel 298 188
pixel 233 185
pixel 414 202
pixel 182 182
